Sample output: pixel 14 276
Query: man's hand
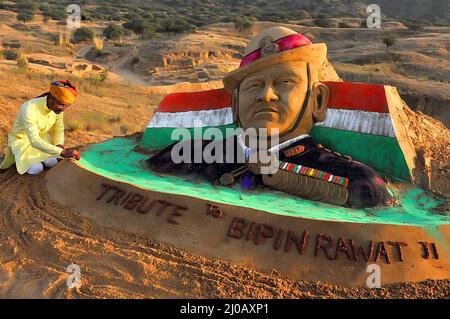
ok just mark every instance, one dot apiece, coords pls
pixel 70 154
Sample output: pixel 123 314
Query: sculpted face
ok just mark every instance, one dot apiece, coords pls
pixel 272 98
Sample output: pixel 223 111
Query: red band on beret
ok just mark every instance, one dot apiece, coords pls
pixel 286 43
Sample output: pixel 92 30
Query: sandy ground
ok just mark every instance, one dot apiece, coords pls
pixel 40 238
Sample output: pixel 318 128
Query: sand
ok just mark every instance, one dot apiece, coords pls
pixel 432 144
pixel 425 142
pixel 39 238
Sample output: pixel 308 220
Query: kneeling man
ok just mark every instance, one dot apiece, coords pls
pixel 29 142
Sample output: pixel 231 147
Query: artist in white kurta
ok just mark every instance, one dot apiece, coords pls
pixel 37 137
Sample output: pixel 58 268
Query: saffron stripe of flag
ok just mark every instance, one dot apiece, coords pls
pixel 195 101
pixel 357 96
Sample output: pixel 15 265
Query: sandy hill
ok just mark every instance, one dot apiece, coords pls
pixel 417 64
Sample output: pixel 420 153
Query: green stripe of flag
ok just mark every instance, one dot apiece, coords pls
pixel 159 138
pixel 382 153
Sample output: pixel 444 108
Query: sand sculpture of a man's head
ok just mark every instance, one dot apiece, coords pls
pixel 277 85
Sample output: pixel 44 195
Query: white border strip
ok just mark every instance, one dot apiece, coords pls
pixel 189 119
pixel 349 120
pixel 359 121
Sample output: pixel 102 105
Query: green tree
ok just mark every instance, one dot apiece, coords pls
pixel 83 34
pixel 44 7
pixel 168 25
pixel 56 14
pixel 323 22
pixel 27 5
pixel 388 42
pixel 137 25
pixel 242 23
pixel 4 6
pixel 303 14
pixel 25 16
pixel 114 32
pixel 148 33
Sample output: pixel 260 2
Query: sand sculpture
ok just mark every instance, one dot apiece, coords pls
pixel 277 89
pixel 302 237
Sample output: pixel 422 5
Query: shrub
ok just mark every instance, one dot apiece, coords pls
pixel 414 25
pixel 97 42
pixel 25 16
pixel 4 6
pixel 114 32
pixel 174 25
pixel 135 60
pixel 242 23
pixel 114 119
pixel 303 14
pixel 388 42
pixel 148 33
pixel 124 129
pixel 343 25
pixel 22 62
pixel 27 5
pixel 56 14
pixel 44 7
pixel 137 25
pixel 83 34
pixel 323 22
pixel 11 54
pixel 104 76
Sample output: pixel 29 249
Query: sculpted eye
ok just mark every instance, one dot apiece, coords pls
pixel 253 85
pixel 286 82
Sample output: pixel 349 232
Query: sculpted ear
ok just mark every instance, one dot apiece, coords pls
pixel 321 94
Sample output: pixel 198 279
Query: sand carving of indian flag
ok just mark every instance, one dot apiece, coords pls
pixel 358 123
pixel 195 111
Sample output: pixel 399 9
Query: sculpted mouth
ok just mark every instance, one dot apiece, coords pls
pixel 266 110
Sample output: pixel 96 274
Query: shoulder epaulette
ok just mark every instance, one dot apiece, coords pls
pixel 335 153
pixel 294 151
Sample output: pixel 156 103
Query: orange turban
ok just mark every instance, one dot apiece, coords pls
pixel 64 91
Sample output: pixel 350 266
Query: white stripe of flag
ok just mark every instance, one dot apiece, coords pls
pixel 189 119
pixel 359 121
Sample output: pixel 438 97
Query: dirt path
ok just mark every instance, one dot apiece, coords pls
pixel 127 75
pixel 117 67
pixel 81 53
pixel 40 238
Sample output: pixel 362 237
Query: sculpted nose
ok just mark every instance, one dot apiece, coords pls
pixel 268 94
